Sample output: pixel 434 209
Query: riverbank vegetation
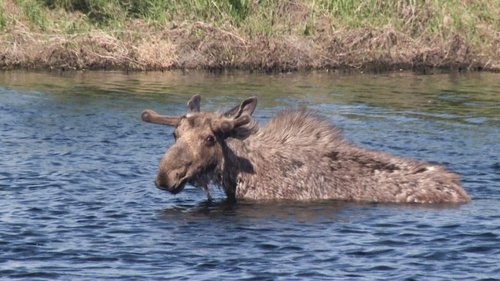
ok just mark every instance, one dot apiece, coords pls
pixel 268 35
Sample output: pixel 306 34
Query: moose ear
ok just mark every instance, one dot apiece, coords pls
pixel 247 107
pixel 226 126
pixel 194 104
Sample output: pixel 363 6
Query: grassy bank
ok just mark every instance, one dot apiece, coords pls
pixel 267 35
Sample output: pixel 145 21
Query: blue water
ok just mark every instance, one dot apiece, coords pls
pixel 77 199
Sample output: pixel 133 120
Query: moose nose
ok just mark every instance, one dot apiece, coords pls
pixel 168 180
pixel 163 181
pixel 160 184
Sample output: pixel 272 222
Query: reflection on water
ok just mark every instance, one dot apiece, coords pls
pixel 307 212
pixel 465 95
pixel 284 211
pixel 77 200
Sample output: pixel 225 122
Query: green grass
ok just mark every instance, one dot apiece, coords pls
pixel 113 12
pixel 423 21
pixel 35 12
pixel 268 17
pixel 3 19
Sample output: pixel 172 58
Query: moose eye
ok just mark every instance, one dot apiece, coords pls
pixel 210 140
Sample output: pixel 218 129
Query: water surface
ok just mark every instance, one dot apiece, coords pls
pixel 77 200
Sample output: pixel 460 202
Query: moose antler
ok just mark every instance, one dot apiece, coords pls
pixel 194 104
pixel 150 116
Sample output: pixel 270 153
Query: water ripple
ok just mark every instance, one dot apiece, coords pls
pixel 77 200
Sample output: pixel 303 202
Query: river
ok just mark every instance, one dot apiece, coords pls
pixel 77 199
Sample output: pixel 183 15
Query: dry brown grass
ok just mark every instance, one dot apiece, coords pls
pixel 199 45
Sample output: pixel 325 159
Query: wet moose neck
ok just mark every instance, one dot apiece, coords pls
pixel 234 167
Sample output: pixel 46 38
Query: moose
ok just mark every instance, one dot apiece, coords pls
pixel 298 155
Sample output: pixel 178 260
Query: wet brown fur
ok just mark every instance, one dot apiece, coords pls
pixel 296 156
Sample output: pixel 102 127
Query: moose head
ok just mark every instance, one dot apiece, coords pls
pixel 200 138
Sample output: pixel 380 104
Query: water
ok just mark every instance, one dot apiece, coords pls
pixel 77 200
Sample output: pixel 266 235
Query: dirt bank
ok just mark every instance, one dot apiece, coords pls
pixel 201 45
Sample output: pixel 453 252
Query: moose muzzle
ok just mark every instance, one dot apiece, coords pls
pixel 173 173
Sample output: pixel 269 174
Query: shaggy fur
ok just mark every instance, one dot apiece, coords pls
pixel 299 156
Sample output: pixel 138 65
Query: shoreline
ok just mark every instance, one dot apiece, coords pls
pixel 298 37
pixel 349 51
